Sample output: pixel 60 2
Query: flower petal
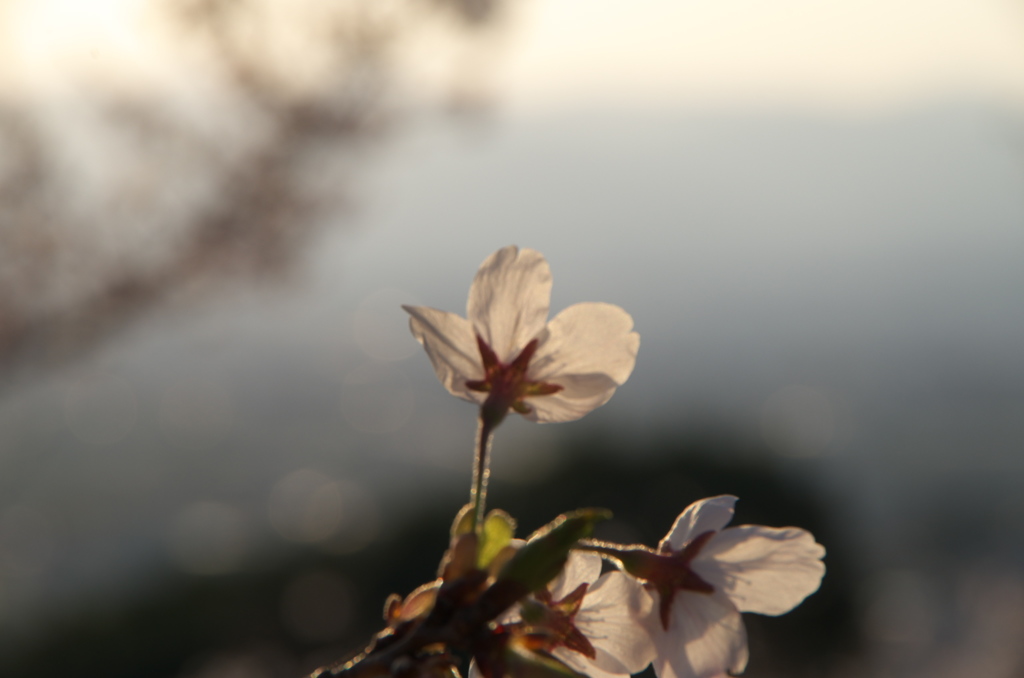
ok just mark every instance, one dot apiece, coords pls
pixel 762 569
pixel 587 338
pixel 610 618
pixel 509 299
pixel 705 638
pixel 451 346
pixel 582 664
pixel 580 395
pixel 581 568
pixel 589 350
pixel 702 516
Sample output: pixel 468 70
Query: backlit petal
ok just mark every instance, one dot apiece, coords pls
pixel 705 638
pixel 610 618
pixel 710 514
pixel 451 346
pixel 580 395
pixel 509 299
pixel 581 664
pixel 762 569
pixel 587 349
pixel 581 568
pixel 587 339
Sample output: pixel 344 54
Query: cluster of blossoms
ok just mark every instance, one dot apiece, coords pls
pixel 541 607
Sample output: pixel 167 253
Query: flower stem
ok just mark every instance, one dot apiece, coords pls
pixel 636 559
pixel 481 468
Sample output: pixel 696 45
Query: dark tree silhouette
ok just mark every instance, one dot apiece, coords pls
pixel 183 209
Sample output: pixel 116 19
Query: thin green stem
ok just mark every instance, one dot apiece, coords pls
pixel 481 468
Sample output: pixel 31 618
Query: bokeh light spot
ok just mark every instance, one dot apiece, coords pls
pixel 308 507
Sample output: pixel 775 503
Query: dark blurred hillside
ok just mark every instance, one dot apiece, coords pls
pixel 305 608
pixel 647 488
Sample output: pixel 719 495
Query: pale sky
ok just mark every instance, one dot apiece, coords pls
pixel 840 55
pixel 852 54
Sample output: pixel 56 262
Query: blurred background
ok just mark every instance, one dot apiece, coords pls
pixel 220 449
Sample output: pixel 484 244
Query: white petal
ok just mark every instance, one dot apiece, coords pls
pixel 580 395
pixel 509 299
pixel 587 349
pixel 705 638
pixel 582 664
pixel 582 567
pixel 588 338
pixel 762 569
pixel 451 345
pixel 702 516
pixel 611 618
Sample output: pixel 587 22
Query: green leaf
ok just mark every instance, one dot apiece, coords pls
pixel 463 523
pixel 498 529
pixel 542 557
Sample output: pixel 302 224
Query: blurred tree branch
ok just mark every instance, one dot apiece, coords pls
pixel 165 204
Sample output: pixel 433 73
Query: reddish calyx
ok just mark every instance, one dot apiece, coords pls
pixel 559 621
pixel 667 571
pixel 506 386
pixel 673 573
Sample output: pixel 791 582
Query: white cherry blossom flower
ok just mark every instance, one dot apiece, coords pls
pixel 600 613
pixel 506 355
pixel 705 576
pixel 589 621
